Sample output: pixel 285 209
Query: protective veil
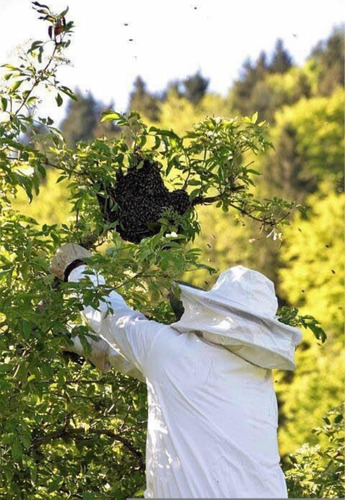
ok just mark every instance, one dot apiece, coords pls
pixel 212 414
pixel 239 313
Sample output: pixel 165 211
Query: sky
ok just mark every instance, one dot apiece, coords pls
pixel 163 40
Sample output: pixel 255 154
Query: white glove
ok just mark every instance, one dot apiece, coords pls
pixel 105 357
pixel 99 355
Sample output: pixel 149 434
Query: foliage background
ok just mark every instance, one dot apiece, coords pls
pixel 69 431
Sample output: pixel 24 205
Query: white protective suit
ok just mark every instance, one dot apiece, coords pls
pixel 212 415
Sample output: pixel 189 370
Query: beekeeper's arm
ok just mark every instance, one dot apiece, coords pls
pixel 103 356
pixel 127 332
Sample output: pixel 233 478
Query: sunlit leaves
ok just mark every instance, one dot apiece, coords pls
pixel 318 471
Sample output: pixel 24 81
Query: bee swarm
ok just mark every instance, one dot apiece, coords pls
pixel 141 198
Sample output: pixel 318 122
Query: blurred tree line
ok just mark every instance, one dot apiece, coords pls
pixel 304 107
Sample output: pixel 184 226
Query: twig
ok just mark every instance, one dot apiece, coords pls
pixel 200 200
pixel 38 79
pixel 189 169
pixel 81 433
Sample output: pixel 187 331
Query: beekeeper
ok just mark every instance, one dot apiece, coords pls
pixel 212 408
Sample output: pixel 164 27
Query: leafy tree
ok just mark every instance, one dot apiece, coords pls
pixel 308 138
pixel 312 277
pixel 318 471
pixel 51 206
pixel 281 60
pixel 267 92
pixel 267 85
pixel 180 114
pixel 278 90
pixel 310 241
pixel 329 57
pixel 257 89
pixel 194 87
pixel 250 75
pixel 144 102
pixel 228 241
pixel 82 121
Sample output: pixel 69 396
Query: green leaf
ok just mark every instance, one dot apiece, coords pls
pixel 139 493
pixel 25 438
pixel 68 92
pixel 5 367
pixel 42 171
pixel 59 100
pixel 3 103
pixel 89 496
pixel 43 6
pixel 22 372
pixel 157 142
pixel 55 484
pixel 86 346
pixel 194 193
pixel 61 178
pixel 35 45
pixel 33 472
pixel 15 85
pixel 17 449
pixel 8 66
pixel 26 329
pixel 40 52
pixel 108 116
pixel 64 12
pixel 32 100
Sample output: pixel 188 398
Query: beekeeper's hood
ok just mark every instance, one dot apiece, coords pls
pixel 239 313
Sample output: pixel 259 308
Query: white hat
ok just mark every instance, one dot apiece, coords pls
pixel 239 313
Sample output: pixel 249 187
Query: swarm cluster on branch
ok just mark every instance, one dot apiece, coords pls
pixel 138 200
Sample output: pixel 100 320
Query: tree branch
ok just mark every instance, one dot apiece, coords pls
pixel 201 200
pixel 81 433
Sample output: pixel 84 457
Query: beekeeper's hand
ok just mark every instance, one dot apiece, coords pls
pixel 65 256
pixel 99 355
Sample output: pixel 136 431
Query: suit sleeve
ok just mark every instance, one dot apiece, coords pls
pixel 127 332
pixel 105 357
